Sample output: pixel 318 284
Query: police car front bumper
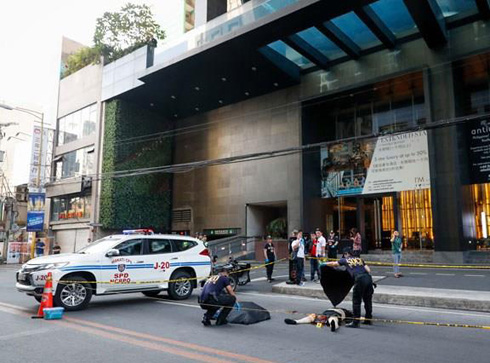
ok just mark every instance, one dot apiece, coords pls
pixel 29 290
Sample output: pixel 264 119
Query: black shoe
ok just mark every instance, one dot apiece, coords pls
pixel 332 326
pixel 367 322
pixel 352 324
pixel 290 321
pixel 291 282
pixel 205 321
pixel 271 279
pixel 221 322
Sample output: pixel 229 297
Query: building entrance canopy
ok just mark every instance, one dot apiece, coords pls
pixel 265 45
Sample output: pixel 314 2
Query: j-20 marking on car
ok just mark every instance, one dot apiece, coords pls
pixel 119 264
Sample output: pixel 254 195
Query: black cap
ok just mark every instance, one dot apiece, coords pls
pixel 347 250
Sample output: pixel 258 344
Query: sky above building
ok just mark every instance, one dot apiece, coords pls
pixel 30 43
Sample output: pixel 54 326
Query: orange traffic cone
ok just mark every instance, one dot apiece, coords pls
pixel 47 297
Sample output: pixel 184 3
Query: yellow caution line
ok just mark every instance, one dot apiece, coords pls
pixel 467 267
pixel 163 281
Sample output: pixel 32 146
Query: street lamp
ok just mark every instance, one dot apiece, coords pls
pixel 39 116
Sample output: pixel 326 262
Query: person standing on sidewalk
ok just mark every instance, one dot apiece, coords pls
pixel 332 244
pixel 269 258
pixel 363 285
pixel 322 244
pixel 40 247
pixel 298 247
pixel 292 262
pixel 314 263
pixel 355 236
pixel 396 250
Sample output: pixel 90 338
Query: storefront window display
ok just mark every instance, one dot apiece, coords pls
pixel 71 208
pixel 472 79
pixel 381 181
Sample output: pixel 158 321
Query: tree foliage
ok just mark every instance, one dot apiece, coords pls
pixel 80 59
pixel 117 34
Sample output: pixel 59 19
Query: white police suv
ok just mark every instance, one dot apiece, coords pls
pixel 136 261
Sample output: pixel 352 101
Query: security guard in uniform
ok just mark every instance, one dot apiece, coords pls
pixel 213 297
pixel 363 285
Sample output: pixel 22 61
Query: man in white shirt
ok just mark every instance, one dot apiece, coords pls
pixel 322 243
pixel 298 247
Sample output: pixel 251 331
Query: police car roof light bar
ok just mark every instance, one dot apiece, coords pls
pixel 144 231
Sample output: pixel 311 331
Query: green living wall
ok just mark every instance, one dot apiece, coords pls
pixel 142 201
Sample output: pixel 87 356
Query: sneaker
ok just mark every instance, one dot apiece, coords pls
pixel 290 282
pixel 271 279
pixel 352 324
pixel 332 326
pixel 221 322
pixel 367 322
pixel 205 321
pixel 301 284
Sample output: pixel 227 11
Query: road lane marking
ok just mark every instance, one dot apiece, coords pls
pixel 445 274
pixel 417 273
pixel 178 304
pixel 124 336
pixel 475 275
pixel 192 346
pixel 396 307
pixel 27 333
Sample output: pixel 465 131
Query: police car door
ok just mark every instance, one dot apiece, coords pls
pixel 128 269
pixel 159 255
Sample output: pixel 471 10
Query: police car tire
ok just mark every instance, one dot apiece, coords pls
pixel 173 285
pixel 38 298
pixel 57 297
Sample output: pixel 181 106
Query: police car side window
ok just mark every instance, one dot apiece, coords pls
pixel 157 246
pixel 130 247
pixel 181 245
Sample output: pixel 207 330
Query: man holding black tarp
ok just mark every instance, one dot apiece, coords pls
pixel 363 285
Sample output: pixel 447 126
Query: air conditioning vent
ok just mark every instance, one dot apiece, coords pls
pixel 181 215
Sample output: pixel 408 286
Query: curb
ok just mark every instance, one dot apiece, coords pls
pixel 385 297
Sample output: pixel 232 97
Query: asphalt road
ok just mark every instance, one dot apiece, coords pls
pixel 129 328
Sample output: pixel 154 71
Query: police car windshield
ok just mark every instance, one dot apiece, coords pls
pixel 101 245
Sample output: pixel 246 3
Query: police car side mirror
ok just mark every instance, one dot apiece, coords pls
pixel 112 253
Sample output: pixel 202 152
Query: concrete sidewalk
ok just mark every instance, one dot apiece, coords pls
pixel 403 295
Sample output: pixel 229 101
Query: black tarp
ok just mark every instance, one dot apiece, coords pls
pixel 336 283
pixel 250 313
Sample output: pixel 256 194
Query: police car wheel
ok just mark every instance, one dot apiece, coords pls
pixel 73 295
pixel 151 293
pixel 180 290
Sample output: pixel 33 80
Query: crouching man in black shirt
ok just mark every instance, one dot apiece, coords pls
pixel 213 297
pixel 363 286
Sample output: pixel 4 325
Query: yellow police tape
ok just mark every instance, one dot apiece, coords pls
pixel 418 265
pixel 388 321
pixel 391 321
pixel 321 259
pixel 64 281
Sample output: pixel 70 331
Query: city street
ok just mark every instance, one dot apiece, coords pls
pixel 132 327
